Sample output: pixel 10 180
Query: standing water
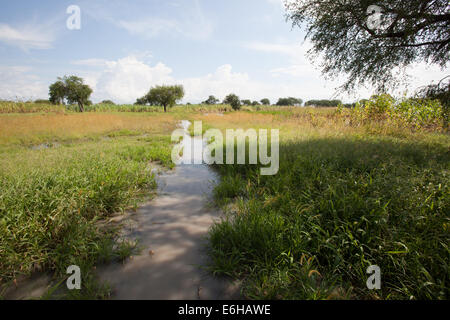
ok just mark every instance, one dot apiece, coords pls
pixel 172 229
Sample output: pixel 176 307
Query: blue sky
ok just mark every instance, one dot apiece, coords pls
pixel 125 47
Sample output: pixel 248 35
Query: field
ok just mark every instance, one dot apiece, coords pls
pixel 355 188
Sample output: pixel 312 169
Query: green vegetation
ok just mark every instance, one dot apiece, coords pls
pixel 165 96
pixel 71 89
pixel 265 102
pixel 211 100
pixel 54 196
pixel 354 42
pixel 233 101
pixel 323 103
pixel 351 192
pixel 359 186
pixel 289 102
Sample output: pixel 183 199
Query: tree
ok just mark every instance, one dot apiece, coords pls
pixel 141 101
pixel 368 42
pixel 233 101
pixel 211 100
pixel 165 96
pixel 323 103
pixel 255 103
pixel 71 88
pixel 289 102
pixel 57 92
pixel 107 102
pixel 246 102
pixel 265 102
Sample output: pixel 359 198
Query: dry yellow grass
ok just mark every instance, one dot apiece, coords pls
pixel 53 127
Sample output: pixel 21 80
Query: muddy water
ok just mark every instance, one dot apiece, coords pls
pixel 172 230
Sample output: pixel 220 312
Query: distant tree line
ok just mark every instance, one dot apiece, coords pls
pixel 323 103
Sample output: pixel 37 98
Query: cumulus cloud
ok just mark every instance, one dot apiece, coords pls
pixel 26 37
pixel 19 83
pixel 128 78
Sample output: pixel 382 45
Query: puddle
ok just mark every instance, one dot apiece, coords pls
pixel 172 230
pixel 44 146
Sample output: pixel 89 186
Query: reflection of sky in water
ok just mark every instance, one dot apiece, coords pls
pixel 192 146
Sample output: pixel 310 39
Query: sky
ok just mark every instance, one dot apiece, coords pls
pixel 123 48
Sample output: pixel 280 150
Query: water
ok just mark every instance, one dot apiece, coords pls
pixel 172 229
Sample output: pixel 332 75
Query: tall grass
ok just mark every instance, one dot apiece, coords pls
pixel 35 129
pixel 346 197
pixel 45 107
pixel 29 107
pixel 52 198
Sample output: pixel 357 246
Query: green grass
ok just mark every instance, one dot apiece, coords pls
pixel 51 201
pixel 337 206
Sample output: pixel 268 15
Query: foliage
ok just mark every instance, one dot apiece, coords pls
pixel 344 199
pixel 343 33
pixel 165 96
pixel 412 112
pixel 107 102
pixel 52 199
pixel 323 103
pixel 71 88
pixel 233 101
pixel 441 92
pixel 289 101
pixel 265 102
pixel 57 92
pixel 211 100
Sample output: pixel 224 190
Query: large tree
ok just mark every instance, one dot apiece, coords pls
pixel 165 96
pixel 368 39
pixel 71 88
pixel 233 100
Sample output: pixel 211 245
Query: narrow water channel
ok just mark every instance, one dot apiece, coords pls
pixel 172 231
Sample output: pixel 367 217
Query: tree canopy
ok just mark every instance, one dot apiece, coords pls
pixel 367 40
pixel 323 103
pixel 108 102
pixel 265 102
pixel 166 96
pixel 289 101
pixel 233 101
pixel 71 88
pixel 211 100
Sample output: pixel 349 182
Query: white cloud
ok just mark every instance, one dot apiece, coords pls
pixel 27 37
pixel 17 82
pixel 128 78
pixel 302 69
